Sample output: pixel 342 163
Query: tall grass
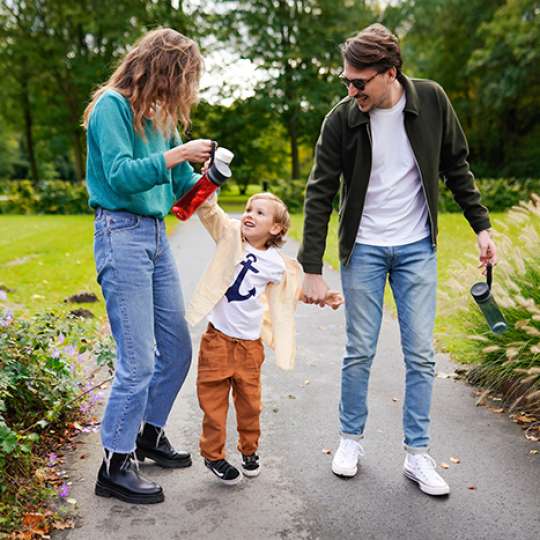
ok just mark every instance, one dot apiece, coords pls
pixel 510 362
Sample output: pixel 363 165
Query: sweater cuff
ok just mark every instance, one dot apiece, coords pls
pixel 163 174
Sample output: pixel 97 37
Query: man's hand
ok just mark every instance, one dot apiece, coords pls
pixel 315 289
pixel 488 251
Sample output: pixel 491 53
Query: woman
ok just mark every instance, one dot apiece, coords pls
pixel 137 167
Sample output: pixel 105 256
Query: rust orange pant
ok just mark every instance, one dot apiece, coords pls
pixel 227 363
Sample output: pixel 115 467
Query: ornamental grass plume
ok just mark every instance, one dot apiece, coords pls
pixel 509 363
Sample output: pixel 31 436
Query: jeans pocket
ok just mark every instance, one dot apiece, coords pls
pixel 123 221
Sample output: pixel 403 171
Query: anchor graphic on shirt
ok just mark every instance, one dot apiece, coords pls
pixel 233 292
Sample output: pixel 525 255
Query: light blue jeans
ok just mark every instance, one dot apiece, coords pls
pixel 140 283
pixel 412 272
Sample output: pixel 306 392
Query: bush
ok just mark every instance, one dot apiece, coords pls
pixel 291 192
pixel 45 197
pixel 41 366
pixel 509 362
pixel 498 194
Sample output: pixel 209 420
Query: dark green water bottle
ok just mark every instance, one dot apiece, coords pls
pixel 481 292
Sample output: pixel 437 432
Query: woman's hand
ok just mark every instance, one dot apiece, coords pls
pixel 196 151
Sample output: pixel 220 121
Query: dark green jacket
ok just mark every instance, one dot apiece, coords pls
pixel 343 162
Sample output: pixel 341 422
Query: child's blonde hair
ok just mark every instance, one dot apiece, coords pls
pixel 281 217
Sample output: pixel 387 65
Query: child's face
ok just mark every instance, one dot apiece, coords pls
pixel 257 221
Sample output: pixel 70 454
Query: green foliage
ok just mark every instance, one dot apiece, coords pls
pixel 508 362
pixel 41 364
pixel 45 197
pixel 45 383
pixel 498 194
pixel 485 55
pixel 291 192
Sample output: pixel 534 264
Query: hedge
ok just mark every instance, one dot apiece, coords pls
pixel 62 197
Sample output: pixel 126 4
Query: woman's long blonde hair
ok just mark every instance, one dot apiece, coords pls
pixel 160 77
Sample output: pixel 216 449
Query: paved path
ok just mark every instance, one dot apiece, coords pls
pixel 296 496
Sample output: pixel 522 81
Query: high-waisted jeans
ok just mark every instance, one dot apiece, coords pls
pixel 140 283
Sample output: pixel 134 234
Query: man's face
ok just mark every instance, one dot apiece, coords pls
pixel 376 92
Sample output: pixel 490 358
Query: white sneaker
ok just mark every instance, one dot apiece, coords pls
pixel 345 462
pixel 421 469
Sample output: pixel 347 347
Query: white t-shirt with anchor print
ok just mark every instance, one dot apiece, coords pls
pixel 239 313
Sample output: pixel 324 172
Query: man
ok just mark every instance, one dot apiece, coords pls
pixel 385 146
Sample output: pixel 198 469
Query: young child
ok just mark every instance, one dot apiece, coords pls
pixel 250 291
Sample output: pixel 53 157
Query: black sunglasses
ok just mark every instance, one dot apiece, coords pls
pixel 359 84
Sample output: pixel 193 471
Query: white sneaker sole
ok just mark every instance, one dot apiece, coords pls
pixel 344 471
pixel 430 490
pixel 251 474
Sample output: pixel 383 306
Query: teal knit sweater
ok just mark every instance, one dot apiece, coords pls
pixel 126 172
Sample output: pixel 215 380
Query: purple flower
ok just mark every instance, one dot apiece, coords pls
pixel 61 339
pixel 70 350
pixel 55 353
pixel 3 295
pixel 63 490
pixel 7 319
pixel 52 459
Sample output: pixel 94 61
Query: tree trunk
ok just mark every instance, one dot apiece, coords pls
pixel 28 131
pixel 293 139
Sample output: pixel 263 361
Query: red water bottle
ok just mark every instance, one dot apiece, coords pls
pixel 218 172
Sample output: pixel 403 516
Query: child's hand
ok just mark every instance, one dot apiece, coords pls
pixel 333 299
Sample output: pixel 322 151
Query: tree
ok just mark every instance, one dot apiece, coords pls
pixel 296 43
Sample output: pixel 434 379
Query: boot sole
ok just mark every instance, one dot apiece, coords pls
pixel 163 462
pixel 430 490
pixel 102 490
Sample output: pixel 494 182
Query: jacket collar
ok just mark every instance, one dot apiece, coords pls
pixel 356 117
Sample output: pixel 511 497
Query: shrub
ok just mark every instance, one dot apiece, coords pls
pixel 291 192
pixel 45 197
pixel 498 194
pixel 509 362
pixel 41 368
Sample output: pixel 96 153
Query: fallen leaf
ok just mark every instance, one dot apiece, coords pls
pixel 290 396
pixel 444 465
pixel 471 487
pixel 62 525
pixel 71 501
pixel 483 396
pixel 499 410
pixel 524 419
pixel 32 520
pixel 275 409
pixel 394 399
pixel 533 452
pixel 455 460
pixel 327 451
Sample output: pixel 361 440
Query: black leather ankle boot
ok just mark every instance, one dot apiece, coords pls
pixel 152 443
pixel 119 477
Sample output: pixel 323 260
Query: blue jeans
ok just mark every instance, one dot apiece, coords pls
pixel 140 283
pixel 412 271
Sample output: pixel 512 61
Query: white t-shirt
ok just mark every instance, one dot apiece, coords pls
pixel 239 313
pixel 395 210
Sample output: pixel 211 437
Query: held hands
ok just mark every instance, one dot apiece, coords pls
pixel 488 251
pixel 315 291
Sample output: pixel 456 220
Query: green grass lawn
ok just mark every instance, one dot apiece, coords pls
pixel 44 259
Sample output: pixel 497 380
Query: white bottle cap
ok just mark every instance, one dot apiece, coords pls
pixel 223 155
